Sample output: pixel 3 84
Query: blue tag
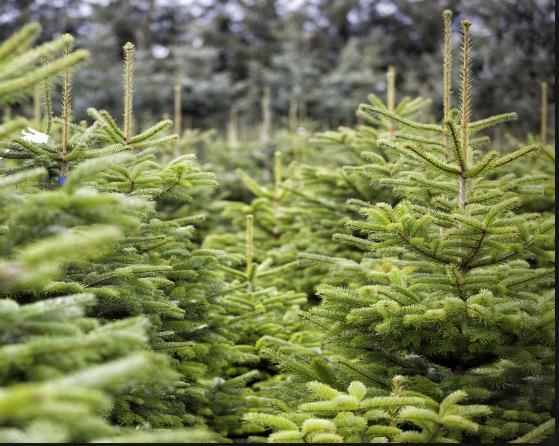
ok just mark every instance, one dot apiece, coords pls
pixel 61 181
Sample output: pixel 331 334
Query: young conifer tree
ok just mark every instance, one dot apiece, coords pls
pixel 60 368
pixel 258 311
pixel 276 227
pixel 368 415
pixel 324 184
pixel 467 303
pixel 105 174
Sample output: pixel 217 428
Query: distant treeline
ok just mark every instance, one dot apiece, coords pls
pixel 326 55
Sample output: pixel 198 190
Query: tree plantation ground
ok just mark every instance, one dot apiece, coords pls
pixel 388 281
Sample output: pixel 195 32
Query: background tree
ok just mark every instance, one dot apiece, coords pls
pixel 280 43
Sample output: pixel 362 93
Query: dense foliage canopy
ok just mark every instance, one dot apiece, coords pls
pixel 391 280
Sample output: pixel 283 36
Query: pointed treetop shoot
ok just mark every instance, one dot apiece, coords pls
pixel 129 50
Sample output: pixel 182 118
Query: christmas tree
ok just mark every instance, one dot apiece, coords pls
pixel 106 177
pixel 466 303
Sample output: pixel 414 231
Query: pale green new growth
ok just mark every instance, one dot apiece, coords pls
pixel 128 82
pixel 66 111
pixel 352 418
pixel 19 63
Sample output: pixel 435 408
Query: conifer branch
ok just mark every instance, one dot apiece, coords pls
pixel 391 89
pixel 146 134
pixel 536 435
pixel 517 154
pixel 47 101
pixel 465 110
pixel 38 75
pixel 26 175
pixel 20 39
pixel 465 90
pixel 422 154
pixel 485 163
pixel 422 250
pixel 12 125
pixel 36 108
pixel 476 126
pixel 372 111
pixel 456 145
pixel 29 57
pixel 154 142
pixel 318 201
pixel 419 139
pixel 253 186
pixel 114 129
pixel 279 269
pixel 362 373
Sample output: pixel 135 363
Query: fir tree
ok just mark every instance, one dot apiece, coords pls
pixel 60 368
pixel 152 271
pixel 467 303
pixel 258 314
pixel 276 226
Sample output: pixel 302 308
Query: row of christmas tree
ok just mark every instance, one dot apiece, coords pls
pixel 391 282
